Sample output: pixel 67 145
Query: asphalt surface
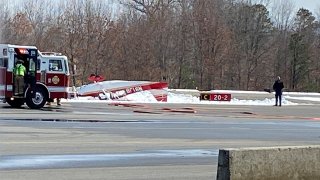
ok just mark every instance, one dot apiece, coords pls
pixel 141 141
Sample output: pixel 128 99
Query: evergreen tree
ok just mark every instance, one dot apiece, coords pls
pixel 300 43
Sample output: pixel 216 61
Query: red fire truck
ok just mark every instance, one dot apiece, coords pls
pixel 47 76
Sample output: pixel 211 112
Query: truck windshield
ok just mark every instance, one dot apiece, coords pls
pixel 32 66
pixel 66 66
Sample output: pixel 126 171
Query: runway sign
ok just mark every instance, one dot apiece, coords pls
pixel 215 97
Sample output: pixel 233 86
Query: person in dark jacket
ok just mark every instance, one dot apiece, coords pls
pixel 277 87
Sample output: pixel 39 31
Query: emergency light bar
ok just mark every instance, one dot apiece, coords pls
pixel 23 51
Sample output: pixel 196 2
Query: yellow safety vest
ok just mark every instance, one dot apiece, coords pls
pixel 19 70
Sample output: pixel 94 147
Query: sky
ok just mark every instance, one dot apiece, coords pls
pixel 311 5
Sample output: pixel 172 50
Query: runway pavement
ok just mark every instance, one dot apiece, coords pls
pixel 141 141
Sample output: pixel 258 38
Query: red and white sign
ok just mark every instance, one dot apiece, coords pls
pixel 215 97
pixel 220 97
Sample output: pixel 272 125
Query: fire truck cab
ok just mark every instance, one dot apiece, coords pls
pixel 47 76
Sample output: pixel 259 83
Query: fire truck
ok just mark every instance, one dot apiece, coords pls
pixel 47 76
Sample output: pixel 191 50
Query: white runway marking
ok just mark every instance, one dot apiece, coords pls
pixel 41 161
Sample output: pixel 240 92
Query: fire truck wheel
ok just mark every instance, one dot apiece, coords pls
pixel 16 103
pixel 37 100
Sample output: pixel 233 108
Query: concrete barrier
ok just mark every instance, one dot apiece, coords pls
pixel 274 163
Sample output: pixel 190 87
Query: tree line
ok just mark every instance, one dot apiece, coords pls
pixel 209 44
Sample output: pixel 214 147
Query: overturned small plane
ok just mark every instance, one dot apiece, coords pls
pixel 118 89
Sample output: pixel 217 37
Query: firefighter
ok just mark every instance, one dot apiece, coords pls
pixel 19 72
pixel 58 101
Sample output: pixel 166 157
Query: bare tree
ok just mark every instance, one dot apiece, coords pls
pixel 282 16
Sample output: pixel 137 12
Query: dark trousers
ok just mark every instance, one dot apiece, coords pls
pixel 18 85
pixel 278 98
